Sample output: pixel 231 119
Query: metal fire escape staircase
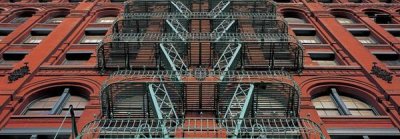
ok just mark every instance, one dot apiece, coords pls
pixel 162 105
pixel 237 93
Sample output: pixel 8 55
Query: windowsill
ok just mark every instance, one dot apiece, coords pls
pixel 80 45
pixel 378 45
pixel 24 45
pixel 308 45
pixel 355 25
pixel 394 67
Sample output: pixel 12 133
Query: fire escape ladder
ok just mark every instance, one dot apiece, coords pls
pixel 222 28
pixel 174 60
pixel 178 28
pixel 162 105
pixel 239 105
pixel 181 7
pixel 219 8
pixel 227 59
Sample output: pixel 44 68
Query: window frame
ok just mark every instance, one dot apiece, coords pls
pixel 342 107
pixel 106 18
pixel 58 106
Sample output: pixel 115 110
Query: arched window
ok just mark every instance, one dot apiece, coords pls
pixel 344 20
pixel 335 104
pixel 293 18
pixel 21 18
pixel 106 20
pixel 58 104
pixel 55 19
pixel 379 17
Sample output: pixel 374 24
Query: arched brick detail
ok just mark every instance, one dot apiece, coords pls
pixel 361 90
pixel 32 91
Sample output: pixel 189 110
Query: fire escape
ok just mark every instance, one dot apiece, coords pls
pixel 204 68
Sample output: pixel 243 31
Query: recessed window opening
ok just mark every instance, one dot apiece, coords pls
pixel 37 35
pixel 324 59
pixel 307 36
pixel 4 33
pixel 364 36
pixel 22 17
pixel 93 36
pixel 9 58
pixel 73 58
pixel 389 59
pixel 334 103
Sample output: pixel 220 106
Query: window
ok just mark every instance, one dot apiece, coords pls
pixel 92 39
pixel 37 35
pixel 386 1
pixel 307 36
pixel 10 58
pixel 379 17
pixel 293 18
pixel 363 35
pixel 395 33
pixel 106 20
pixel 390 59
pixel 282 1
pixel 58 104
pixel 383 19
pixel 323 59
pixel 4 32
pixel 325 1
pixel 34 39
pixel 75 0
pixel 366 40
pixel 44 1
pixel 55 20
pixel 356 1
pixel 14 1
pixel 335 104
pixel 117 0
pixel 343 20
pixel 76 58
pixel 22 17
pixel 93 35
pixel 308 39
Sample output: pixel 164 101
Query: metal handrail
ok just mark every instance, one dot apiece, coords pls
pixel 251 127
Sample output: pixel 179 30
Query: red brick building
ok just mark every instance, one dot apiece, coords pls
pixel 202 68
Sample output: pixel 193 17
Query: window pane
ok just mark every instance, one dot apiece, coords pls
pixel 55 20
pixel 76 112
pixel 106 20
pixel 366 40
pixel 19 20
pixel 38 112
pixel 308 39
pixel 344 20
pixel 34 39
pixel 294 20
pixel 321 113
pixel 332 112
pixel 329 105
pixel 366 112
pixel 325 62
pixel 92 39
pixel 77 102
